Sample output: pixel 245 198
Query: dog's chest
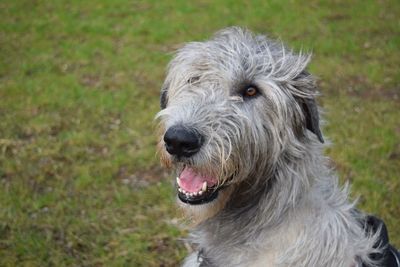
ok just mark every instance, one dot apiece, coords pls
pixel 263 251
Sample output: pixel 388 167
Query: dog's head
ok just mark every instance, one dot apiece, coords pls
pixel 232 107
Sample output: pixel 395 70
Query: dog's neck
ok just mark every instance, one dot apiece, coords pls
pixel 277 194
pixel 289 202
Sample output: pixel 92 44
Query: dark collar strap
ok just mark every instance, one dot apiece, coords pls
pixel 203 260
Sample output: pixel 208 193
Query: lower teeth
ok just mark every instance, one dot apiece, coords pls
pixel 189 194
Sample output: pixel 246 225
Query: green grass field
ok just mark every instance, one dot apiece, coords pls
pixel 80 184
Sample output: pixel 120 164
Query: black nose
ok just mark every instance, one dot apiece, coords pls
pixel 180 141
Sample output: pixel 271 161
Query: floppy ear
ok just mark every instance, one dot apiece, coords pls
pixel 310 112
pixel 306 83
pixel 164 97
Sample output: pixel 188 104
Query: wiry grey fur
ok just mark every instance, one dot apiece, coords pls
pixel 282 205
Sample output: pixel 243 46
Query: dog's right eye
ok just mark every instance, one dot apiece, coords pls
pixel 193 79
pixel 250 91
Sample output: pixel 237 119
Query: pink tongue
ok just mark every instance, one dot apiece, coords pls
pixel 190 181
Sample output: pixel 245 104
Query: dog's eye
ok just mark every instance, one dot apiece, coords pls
pixel 193 79
pixel 250 91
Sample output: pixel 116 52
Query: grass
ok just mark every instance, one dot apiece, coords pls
pixel 79 81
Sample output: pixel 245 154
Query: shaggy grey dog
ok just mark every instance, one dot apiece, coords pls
pixel 240 126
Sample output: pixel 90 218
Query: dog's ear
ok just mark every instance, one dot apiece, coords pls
pixel 164 97
pixel 310 112
pixel 306 83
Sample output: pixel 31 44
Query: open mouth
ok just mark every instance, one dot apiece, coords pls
pixel 195 188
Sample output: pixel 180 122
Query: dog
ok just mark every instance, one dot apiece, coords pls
pixel 240 126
